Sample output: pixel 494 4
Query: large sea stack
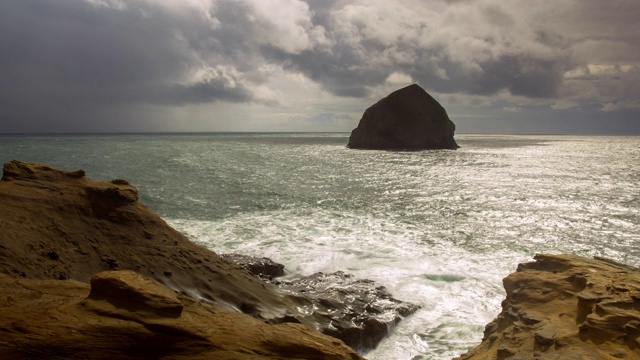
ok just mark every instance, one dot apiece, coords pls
pixel 407 119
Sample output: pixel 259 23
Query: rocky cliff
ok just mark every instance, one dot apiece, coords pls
pixel 60 228
pixel 126 315
pixel 566 307
pixel 62 225
pixel 407 119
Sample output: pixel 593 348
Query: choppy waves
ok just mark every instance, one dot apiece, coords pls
pixel 437 228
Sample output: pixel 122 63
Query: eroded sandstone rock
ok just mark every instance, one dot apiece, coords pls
pixel 566 307
pixel 126 291
pixel 60 224
pixel 52 319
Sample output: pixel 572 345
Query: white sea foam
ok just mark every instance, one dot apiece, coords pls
pixel 437 228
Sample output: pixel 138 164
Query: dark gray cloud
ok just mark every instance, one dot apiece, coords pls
pixel 78 52
pixel 65 61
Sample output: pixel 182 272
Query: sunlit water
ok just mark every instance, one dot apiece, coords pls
pixel 437 228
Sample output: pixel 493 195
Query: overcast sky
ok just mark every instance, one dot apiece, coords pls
pixel 497 66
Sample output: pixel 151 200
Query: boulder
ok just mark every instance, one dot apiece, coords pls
pixel 566 307
pixel 126 291
pixel 407 119
pixel 53 319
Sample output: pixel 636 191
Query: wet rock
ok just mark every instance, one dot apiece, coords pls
pixel 407 119
pixel 356 311
pixel 91 226
pixel 262 267
pixel 130 316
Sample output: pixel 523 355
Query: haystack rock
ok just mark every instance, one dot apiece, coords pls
pixel 566 307
pixel 407 119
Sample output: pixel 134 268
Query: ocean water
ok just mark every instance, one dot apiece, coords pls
pixel 437 228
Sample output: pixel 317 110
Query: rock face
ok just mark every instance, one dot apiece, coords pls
pixel 61 225
pixel 52 319
pixel 356 311
pixel 407 119
pixel 566 307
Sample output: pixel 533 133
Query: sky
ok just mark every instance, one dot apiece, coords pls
pixel 497 66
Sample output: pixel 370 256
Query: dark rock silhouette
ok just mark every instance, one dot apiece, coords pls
pixel 262 267
pixel 407 119
pixel 356 311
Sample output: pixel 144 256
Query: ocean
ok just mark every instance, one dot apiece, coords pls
pixel 437 228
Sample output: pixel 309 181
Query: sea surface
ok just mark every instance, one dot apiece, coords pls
pixel 437 228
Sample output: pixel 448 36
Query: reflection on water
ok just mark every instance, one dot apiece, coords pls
pixel 437 228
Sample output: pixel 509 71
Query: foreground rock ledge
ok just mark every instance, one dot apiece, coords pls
pixel 57 224
pixel 60 225
pixel 566 307
pixel 407 119
pixel 52 319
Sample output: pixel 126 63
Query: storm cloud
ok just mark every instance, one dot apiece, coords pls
pixel 81 64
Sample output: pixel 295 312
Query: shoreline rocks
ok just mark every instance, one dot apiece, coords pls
pixel 53 319
pixel 356 311
pixel 61 226
pixel 407 119
pixel 566 307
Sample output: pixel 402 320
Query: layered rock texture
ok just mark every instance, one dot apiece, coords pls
pixel 126 315
pixel 566 307
pixel 407 119
pixel 59 228
pixel 62 225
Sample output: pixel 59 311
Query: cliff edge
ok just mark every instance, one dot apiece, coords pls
pixel 566 307
pixel 58 226
pixel 126 315
pixel 407 119
pixel 62 225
